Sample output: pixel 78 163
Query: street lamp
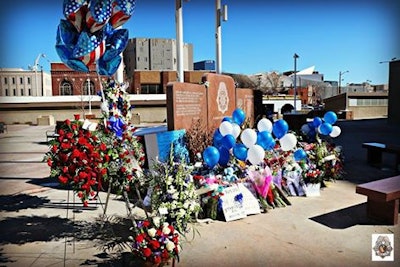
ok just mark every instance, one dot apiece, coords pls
pixel 179 38
pixel 340 80
pixel 218 14
pixel 90 97
pixel 295 56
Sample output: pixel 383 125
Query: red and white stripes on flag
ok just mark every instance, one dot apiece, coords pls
pixel 93 56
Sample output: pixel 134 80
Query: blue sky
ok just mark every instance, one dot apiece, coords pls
pixel 259 36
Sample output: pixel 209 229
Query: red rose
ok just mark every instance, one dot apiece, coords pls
pixel 80 195
pixel 63 179
pixel 67 122
pixel 123 169
pixel 146 224
pixel 154 244
pixel 146 252
pixel 139 238
pixel 103 147
pixel 157 259
pixel 77 117
pixel 165 254
pixel 54 148
pixel 49 162
pixel 85 203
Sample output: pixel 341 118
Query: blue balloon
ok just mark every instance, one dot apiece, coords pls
pixel 228 141
pixel 239 116
pixel 211 156
pixel 217 138
pixel 224 156
pixel 299 154
pixel 330 117
pixel 280 128
pixel 271 145
pixel 264 139
pixel 229 119
pixel 240 152
pixel 325 128
pixel 317 122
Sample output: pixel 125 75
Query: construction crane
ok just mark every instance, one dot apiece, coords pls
pixel 35 66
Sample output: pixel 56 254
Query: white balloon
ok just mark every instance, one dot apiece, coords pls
pixel 236 130
pixel 288 141
pixel 248 137
pixel 225 128
pixel 264 125
pixel 336 131
pixel 255 154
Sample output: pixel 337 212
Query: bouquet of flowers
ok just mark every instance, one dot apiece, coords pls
pixel 76 158
pixel 124 149
pixel 173 193
pixel 155 243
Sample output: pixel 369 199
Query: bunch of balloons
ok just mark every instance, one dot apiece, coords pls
pixel 89 34
pixel 322 126
pixel 253 143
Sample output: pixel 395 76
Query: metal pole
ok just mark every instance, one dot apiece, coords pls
pixel 90 97
pixel 218 35
pixel 179 38
pixel 295 56
pixel 340 81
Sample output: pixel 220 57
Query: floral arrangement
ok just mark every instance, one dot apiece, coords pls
pixel 77 158
pixel 173 193
pixel 154 242
pixel 117 134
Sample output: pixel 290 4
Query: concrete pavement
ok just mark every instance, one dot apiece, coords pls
pixel 42 226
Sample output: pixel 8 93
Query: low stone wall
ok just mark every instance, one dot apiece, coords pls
pixel 146 115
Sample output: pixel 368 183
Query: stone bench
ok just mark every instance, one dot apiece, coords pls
pixel 375 150
pixel 383 199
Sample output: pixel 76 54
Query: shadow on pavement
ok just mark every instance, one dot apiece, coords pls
pixel 347 217
pixel 21 201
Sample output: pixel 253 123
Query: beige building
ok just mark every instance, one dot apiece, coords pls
pixel 20 82
pixel 155 54
pixel 359 105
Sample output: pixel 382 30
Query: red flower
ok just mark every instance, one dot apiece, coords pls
pixel 146 224
pixel 77 117
pixel 154 244
pixel 65 146
pixel 85 203
pixel 63 179
pixel 157 259
pixel 80 194
pixel 103 147
pixel 49 162
pixel 139 238
pixel 67 122
pixel 165 254
pixel 146 252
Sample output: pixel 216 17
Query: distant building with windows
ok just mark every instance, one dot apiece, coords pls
pixel 20 82
pixel 66 81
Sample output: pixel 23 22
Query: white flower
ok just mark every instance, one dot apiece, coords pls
pixel 152 232
pixel 156 221
pixel 170 246
pixel 166 230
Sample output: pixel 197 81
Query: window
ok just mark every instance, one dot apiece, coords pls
pixel 29 91
pixel 85 88
pixel 29 80
pixel 21 80
pixel 66 88
pixel 151 89
pixel 22 92
pixel 13 80
pixel 5 80
pixel 14 92
pixel 7 93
